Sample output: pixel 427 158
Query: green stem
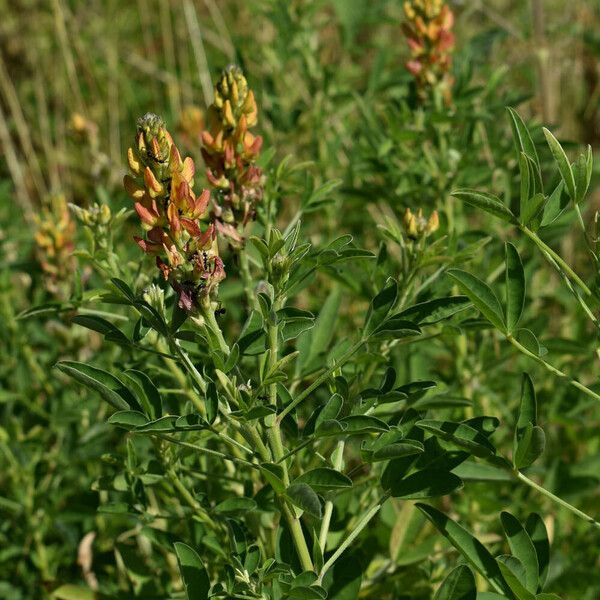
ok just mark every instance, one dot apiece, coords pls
pixel 247 279
pixel 549 252
pixel 181 379
pixel 572 289
pixel 556 499
pixel 189 365
pixel 273 355
pixel 328 510
pixel 274 434
pixel 211 323
pixel 189 499
pixel 276 443
pixel 364 521
pixel 552 369
pixel 319 380
pixel 205 450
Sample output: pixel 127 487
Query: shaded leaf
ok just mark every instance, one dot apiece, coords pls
pixel 428 483
pixel 304 497
pixel 459 585
pixel 522 548
pixel 515 287
pixel 472 549
pixel 530 447
pixel 536 528
pixel 194 575
pixel 380 306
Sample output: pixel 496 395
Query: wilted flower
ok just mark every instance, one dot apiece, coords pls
pixel 54 237
pixel 428 30
pixel 175 219
pixel 230 152
pixel 417 226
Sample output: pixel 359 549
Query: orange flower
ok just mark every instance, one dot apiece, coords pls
pixel 176 220
pixel 428 30
pixel 230 152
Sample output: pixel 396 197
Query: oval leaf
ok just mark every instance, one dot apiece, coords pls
pixel 482 296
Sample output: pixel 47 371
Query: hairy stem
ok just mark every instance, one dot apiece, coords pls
pixel 247 280
pixel 352 536
pixel 319 380
pixel 557 500
pixel 548 252
pixel 586 390
pixel 328 510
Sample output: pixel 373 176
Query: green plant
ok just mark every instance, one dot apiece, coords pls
pixel 392 391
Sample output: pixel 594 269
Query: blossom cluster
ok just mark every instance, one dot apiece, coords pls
pixel 55 243
pixel 230 151
pixel 428 30
pixel 417 226
pixel 177 222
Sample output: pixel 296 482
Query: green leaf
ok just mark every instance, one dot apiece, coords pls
pixel 556 205
pixel 147 392
pixel 471 548
pixel 522 548
pixel 273 473
pixel 330 411
pixel 161 425
pixel 395 328
pixel 101 326
pixel 564 166
pixel 434 311
pixel 305 498
pixel 536 528
pixel 397 450
pixel 487 202
pixel 128 419
pixel 461 435
pixel 360 424
pixel 344 579
pixel 527 338
pixel 74 592
pixel 580 175
pixel 531 211
pixel 527 408
pixel 525 183
pixel 381 306
pixel 530 447
pixel 515 287
pixel 194 575
pixel 107 385
pixel 523 141
pixel 459 585
pixel 294 322
pixel 314 343
pixel 475 471
pixel 236 506
pixel 323 479
pixel 513 572
pixel 428 483
pixel 482 297
pixel 582 171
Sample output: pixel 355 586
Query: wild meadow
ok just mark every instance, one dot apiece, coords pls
pixel 299 299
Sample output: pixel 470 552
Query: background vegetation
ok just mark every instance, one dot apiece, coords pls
pixel 347 148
